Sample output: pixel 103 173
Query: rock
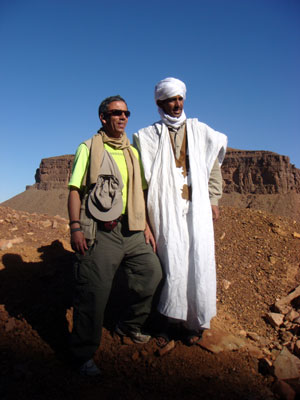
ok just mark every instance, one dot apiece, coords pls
pixel 286 336
pixel 272 260
pixel 296 235
pixel 226 284
pixel 290 346
pixel 54 172
pixel 46 224
pixel 217 341
pixel 17 240
pixel 297 348
pixel 259 172
pixel 253 336
pixel 279 231
pixel 275 319
pixel 292 315
pixel 261 340
pixel 285 367
pixel 283 305
pixel 222 236
pixel 5 244
pixel 254 351
pixel 297 362
pixel 284 390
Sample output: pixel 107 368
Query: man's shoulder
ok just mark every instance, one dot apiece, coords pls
pixel 151 127
pixel 88 142
pixel 195 123
pixel 150 131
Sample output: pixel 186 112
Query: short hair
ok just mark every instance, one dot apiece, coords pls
pixel 103 106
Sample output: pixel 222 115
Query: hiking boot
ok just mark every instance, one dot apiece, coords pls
pixel 89 368
pixel 135 336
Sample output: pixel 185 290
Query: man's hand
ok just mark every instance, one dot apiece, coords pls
pixel 215 212
pixel 149 238
pixel 78 242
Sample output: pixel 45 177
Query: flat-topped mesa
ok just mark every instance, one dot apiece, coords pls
pixel 259 172
pixel 54 172
pixel 244 172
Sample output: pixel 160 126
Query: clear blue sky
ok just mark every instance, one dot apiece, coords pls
pixel 240 60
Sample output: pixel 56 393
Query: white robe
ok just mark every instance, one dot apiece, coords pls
pixel 183 230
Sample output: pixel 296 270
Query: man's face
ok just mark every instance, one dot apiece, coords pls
pixel 114 125
pixel 172 106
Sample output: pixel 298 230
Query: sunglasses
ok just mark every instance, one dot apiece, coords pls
pixel 118 113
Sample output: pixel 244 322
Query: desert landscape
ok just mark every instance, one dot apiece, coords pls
pixel 252 351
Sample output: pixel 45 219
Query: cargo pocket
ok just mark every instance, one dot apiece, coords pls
pixel 87 223
pixel 81 273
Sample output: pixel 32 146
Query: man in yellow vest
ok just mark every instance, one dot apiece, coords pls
pixel 108 227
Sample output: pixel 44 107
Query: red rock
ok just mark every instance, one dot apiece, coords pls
pixel 297 348
pixel 285 367
pixel 217 341
pixel 284 390
pixel 283 305
pixel 275 319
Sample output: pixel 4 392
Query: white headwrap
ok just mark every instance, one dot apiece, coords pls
pixel 165 89
pixel 169 87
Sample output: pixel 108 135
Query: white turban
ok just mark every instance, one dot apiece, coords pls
pixel 169 87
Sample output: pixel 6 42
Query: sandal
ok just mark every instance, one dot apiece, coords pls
pixel 191 338
pixel 162 339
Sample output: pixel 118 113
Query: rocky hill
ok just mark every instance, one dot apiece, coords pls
pixel 259 172
pixel 252 179
pixel 261 180
pixel 251 353
pixel 53 173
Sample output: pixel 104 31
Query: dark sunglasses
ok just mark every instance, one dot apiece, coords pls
pixel 118 113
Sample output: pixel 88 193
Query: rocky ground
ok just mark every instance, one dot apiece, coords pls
pixel 257 266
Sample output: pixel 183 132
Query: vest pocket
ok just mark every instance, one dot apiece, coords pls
pixel 87 222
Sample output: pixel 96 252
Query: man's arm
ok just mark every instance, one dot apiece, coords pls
pixel 149 237
pixel 215 189
pixel 78 241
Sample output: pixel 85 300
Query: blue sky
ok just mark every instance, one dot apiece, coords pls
pixel 240 60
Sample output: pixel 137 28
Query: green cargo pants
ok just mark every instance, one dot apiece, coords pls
pixel 94 273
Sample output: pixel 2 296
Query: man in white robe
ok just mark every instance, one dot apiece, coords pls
pixel 181 159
